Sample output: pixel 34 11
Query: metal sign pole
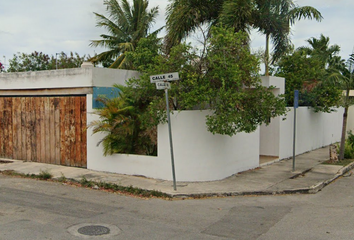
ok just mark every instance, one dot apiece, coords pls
pixel 296 105
pixel 162 82
pixel 171 145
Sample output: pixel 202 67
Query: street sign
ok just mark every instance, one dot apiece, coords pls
pixel 163 85
pixel 164 77
pixel 296 98
pixel 162 82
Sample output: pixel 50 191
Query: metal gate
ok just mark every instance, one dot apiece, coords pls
pixel 46 129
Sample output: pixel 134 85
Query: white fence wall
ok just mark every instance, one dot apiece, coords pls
pixel 350 123
pixel 199 155
pixel 313 130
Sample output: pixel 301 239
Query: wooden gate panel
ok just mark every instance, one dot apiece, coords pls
pixel 44 129
pixel 7 133
pixel 2 128
pixel 83 120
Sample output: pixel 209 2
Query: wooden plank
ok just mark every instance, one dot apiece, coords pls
pixel 33 131
pixel 71 132
pixel 83 131
pixel 57 129
pixel 9 123
pixel 5 132
pixel 28 124
pixel 2 127
pixel 37 104
pixel 43 132
pixel 38 128
pixel 47 129
pixel 77 122
pixel 63 124
pixel 16 109
pixel 51 130
pixel 23 129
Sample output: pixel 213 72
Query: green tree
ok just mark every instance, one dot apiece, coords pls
pixel 126 24
pixel 341 72
pixel 120 122
pixel 225 81
pixel 37 61
pixel 321 50
pixel 305 69
pixel 273 18
pixel 186 16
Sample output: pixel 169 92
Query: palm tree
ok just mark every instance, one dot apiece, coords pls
pixel 186 16
pixel 321 50
pixel 273 18
pixel 125 24
pixel 342 74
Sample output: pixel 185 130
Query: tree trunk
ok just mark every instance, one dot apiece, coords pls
pixel 344 130
pixel 266 56
pixel 344 126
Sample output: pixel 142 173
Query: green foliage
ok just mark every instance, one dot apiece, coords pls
pixel 349 146
pixel 306 69
pixel 120 122
pixel 126 24
pixel 225 81
pixel 273 18
pixel 62 178
pixel 234 88
pixel 86 183
pixel 37 61
pixel 341 73
pixel 44 175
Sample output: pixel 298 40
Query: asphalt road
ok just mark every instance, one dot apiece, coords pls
pixel 31 209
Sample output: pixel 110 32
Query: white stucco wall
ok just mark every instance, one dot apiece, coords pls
pixel 199 155
pixel 350 121
pixel 313 130
pixel 270 134
pixel 269 138
pixel 65 78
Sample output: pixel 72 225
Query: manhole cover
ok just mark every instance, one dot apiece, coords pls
pixel 94 230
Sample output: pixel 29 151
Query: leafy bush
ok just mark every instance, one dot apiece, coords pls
pixel 45 175
pixel 349 146
pixel 120 120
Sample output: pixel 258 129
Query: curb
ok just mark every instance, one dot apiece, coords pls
pixel 310 190
pixel 341 172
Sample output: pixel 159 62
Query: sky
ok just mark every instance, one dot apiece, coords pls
pixel 68 25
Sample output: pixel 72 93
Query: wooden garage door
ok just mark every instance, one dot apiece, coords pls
pixel 44 129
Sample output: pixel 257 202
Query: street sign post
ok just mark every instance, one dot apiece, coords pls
pixel 163 85
pixel 164 77
pixel 162 82
pixel 296 105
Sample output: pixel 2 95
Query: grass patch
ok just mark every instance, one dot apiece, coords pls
pixel 44 175
pixel 84 182
pixel 62 178
pixel 343 162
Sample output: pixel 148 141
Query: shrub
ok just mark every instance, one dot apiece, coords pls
pixel 349 146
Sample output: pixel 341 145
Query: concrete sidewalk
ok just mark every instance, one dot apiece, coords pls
pixel 277 178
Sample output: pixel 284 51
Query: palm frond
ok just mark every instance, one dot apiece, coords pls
pixel 305 12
